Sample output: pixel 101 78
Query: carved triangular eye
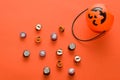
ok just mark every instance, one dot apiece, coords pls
pixel 95 16
pixel 89 16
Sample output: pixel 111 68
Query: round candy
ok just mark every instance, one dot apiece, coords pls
pixel 61 29
pixel 71 46
pixel 59 64
pixel 38 27
pixel 23 35
pixel 71 71
pixel 26 53
pixel 42 53
pixel 77 59
pixel 38 39
pixel 46 71
pixel 54 36
pixel 59 52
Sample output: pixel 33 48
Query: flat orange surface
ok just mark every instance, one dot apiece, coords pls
pixel 100 58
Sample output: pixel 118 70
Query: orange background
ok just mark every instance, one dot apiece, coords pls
pixel 100 58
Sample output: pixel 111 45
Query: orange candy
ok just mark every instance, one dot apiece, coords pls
pixel 98 18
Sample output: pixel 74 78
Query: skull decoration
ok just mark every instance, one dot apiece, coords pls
pixel 98 18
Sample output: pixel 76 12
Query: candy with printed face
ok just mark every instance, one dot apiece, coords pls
pixel 77 59
pixel 59 52
pixel 38 27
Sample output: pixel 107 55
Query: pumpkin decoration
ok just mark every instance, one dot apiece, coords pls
pixel 98 18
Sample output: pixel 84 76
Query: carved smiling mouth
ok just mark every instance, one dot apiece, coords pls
pixel 94 22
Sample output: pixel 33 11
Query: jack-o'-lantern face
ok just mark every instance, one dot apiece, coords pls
pixel 98 18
